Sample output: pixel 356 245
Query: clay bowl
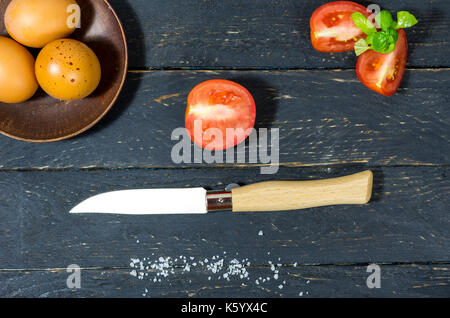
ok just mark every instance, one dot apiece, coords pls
pixel 45 119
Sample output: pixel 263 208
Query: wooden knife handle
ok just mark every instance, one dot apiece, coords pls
pixel 294 195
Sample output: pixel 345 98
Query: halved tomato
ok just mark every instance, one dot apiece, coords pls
pixel 383 73
pixel 332 27
pixel 220 114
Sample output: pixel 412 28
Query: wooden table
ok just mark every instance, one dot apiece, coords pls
pixel 330 125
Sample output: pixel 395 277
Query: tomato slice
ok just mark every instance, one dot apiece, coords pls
pixel 332 27
pixel 220 114
pixel 383 73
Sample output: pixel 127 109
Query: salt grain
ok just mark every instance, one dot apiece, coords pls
pixel 159 268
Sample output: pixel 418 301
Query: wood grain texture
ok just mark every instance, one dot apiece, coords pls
pixel 414 280
pixel 296 195
pixel 406 221
pixel 330 125
pixel 347 124
pixel 267 34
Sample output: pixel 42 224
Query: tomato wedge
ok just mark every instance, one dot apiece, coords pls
pixel 383 73
pixel 332 27
pixel 220 114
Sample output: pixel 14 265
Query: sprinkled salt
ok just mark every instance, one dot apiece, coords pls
pixel 159 268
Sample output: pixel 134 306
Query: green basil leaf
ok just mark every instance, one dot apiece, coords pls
pixel 393 35
pixel 363 23
pixel 405 20
pixel 369 39
pixel 390 49
pixel 361 46
pixel 380 42
pixel 384 20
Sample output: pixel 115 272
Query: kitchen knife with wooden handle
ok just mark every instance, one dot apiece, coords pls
pixel 264 196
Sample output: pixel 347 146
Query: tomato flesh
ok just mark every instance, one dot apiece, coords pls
pixel 332 27
pixel 220 114
pixel 383 73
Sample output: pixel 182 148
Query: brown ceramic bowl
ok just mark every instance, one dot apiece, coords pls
pixel 45 119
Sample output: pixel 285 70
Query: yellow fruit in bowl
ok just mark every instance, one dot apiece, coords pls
pixel 17 78
pixel 35 23
pixel 67 69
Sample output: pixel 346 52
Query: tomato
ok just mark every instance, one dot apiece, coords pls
pixel 332 27
pixel 383 73
pixel 220 114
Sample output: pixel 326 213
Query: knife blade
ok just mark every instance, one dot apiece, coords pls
pixel 263 196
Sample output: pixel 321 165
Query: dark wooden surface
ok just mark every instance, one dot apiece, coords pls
pixel 330 125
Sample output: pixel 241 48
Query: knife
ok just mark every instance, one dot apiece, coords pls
pixel 264 196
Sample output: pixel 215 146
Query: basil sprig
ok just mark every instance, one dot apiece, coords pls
pixel 383 37
pixel 405 20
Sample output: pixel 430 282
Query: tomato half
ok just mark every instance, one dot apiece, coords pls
pixel 220 114
pixel 383 73
pixel 332 27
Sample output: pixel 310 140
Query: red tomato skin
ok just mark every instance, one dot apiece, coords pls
pixel 377 72
pixel 226 95
pixel 321 21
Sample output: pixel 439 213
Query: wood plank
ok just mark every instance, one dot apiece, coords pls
pixel 406 221
pixel 410 280
pixel 319 252
pixel 346 124
pixel 259 34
